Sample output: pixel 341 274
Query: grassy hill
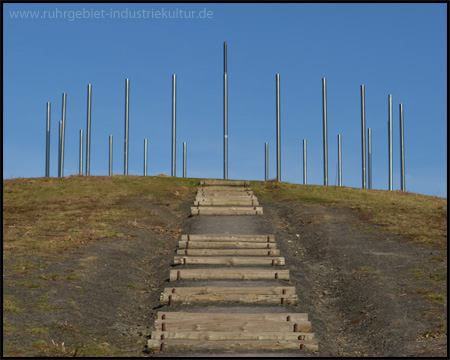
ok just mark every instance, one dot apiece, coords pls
pixel 52 215
pixel 50 223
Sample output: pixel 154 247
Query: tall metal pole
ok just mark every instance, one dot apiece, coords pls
pixel 63 130
pixel 369 135
pixel 225 113
pixel 266 161
pixel 304 161
pixel 110 154
pixel 363 137
pixel 88 131
pixel 145 157
pixel 59 148
pixel 184 159
pixel 47 142
pixel 325 138
pixel 278 129
pixel 390 141
pixel 127 118
pixel 174 122
pixel 80 167
pixel 402 150
pixel 339 161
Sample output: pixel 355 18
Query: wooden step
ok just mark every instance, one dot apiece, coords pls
pixel 231 335
pixel 261 290
pixel 228 237
pixel 183 315
pixel 224 189
pixel 226 202
pixel 237 325
pixel 228 274
pixel 207 197
pixel 225 245
pixel 238 196
pixel 169 299
pixel 267 295
pixel 227 210
pixel 216 182
pixel 229 252
pixel 229 260
pixel 236 345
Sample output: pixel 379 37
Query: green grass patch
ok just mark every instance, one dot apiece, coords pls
pixel 38 331
pixel 11 304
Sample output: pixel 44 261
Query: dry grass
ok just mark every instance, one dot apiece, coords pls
pixel 43 216
pixel 419 218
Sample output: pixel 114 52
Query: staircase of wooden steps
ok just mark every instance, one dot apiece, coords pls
pixel 238 277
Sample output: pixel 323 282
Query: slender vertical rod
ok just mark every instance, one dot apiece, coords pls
pixel 145 156
pixel 59 148
pixel 402 150
pixel 174 122
pixel 363 137
pixel 184 159
pixel 325 138
pixel 369 136
pixel 390 141
pixel 63 131
pixel 339 160
pixel 88 131
pixel 278 129
pixel 80 167
pixel 304 161
pixel 110 154
pixel 266 161
pixel 127 118
pixel 225 113
pixel 47 142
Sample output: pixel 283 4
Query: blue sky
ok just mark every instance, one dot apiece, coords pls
pixel 398 49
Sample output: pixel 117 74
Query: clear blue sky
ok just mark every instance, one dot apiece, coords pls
pixel 398 49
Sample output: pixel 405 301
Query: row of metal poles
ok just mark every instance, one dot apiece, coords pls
pixel 339 137
pixel 325 142
pixel 62 126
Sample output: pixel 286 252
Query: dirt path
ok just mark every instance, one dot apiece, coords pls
pixel 367 293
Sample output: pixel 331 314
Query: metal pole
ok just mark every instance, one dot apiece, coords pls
pixel 266 162
pixel 127 118
pixel 390 141
pixel 88 131
pixel 278 129
pixel 363 137
pixel 325 138
pixel 110 154
pixel 59 148
pixel 80 167
pixel 369 135
pixel 145 157
pixel 47 142
pixel 402 150
pixel 184 159
pixel 304 161
pixel 174 122
pixel 63 131
pixel 225 113
pixel 339 161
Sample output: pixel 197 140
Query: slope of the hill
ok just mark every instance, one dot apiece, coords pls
pixel 85 259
